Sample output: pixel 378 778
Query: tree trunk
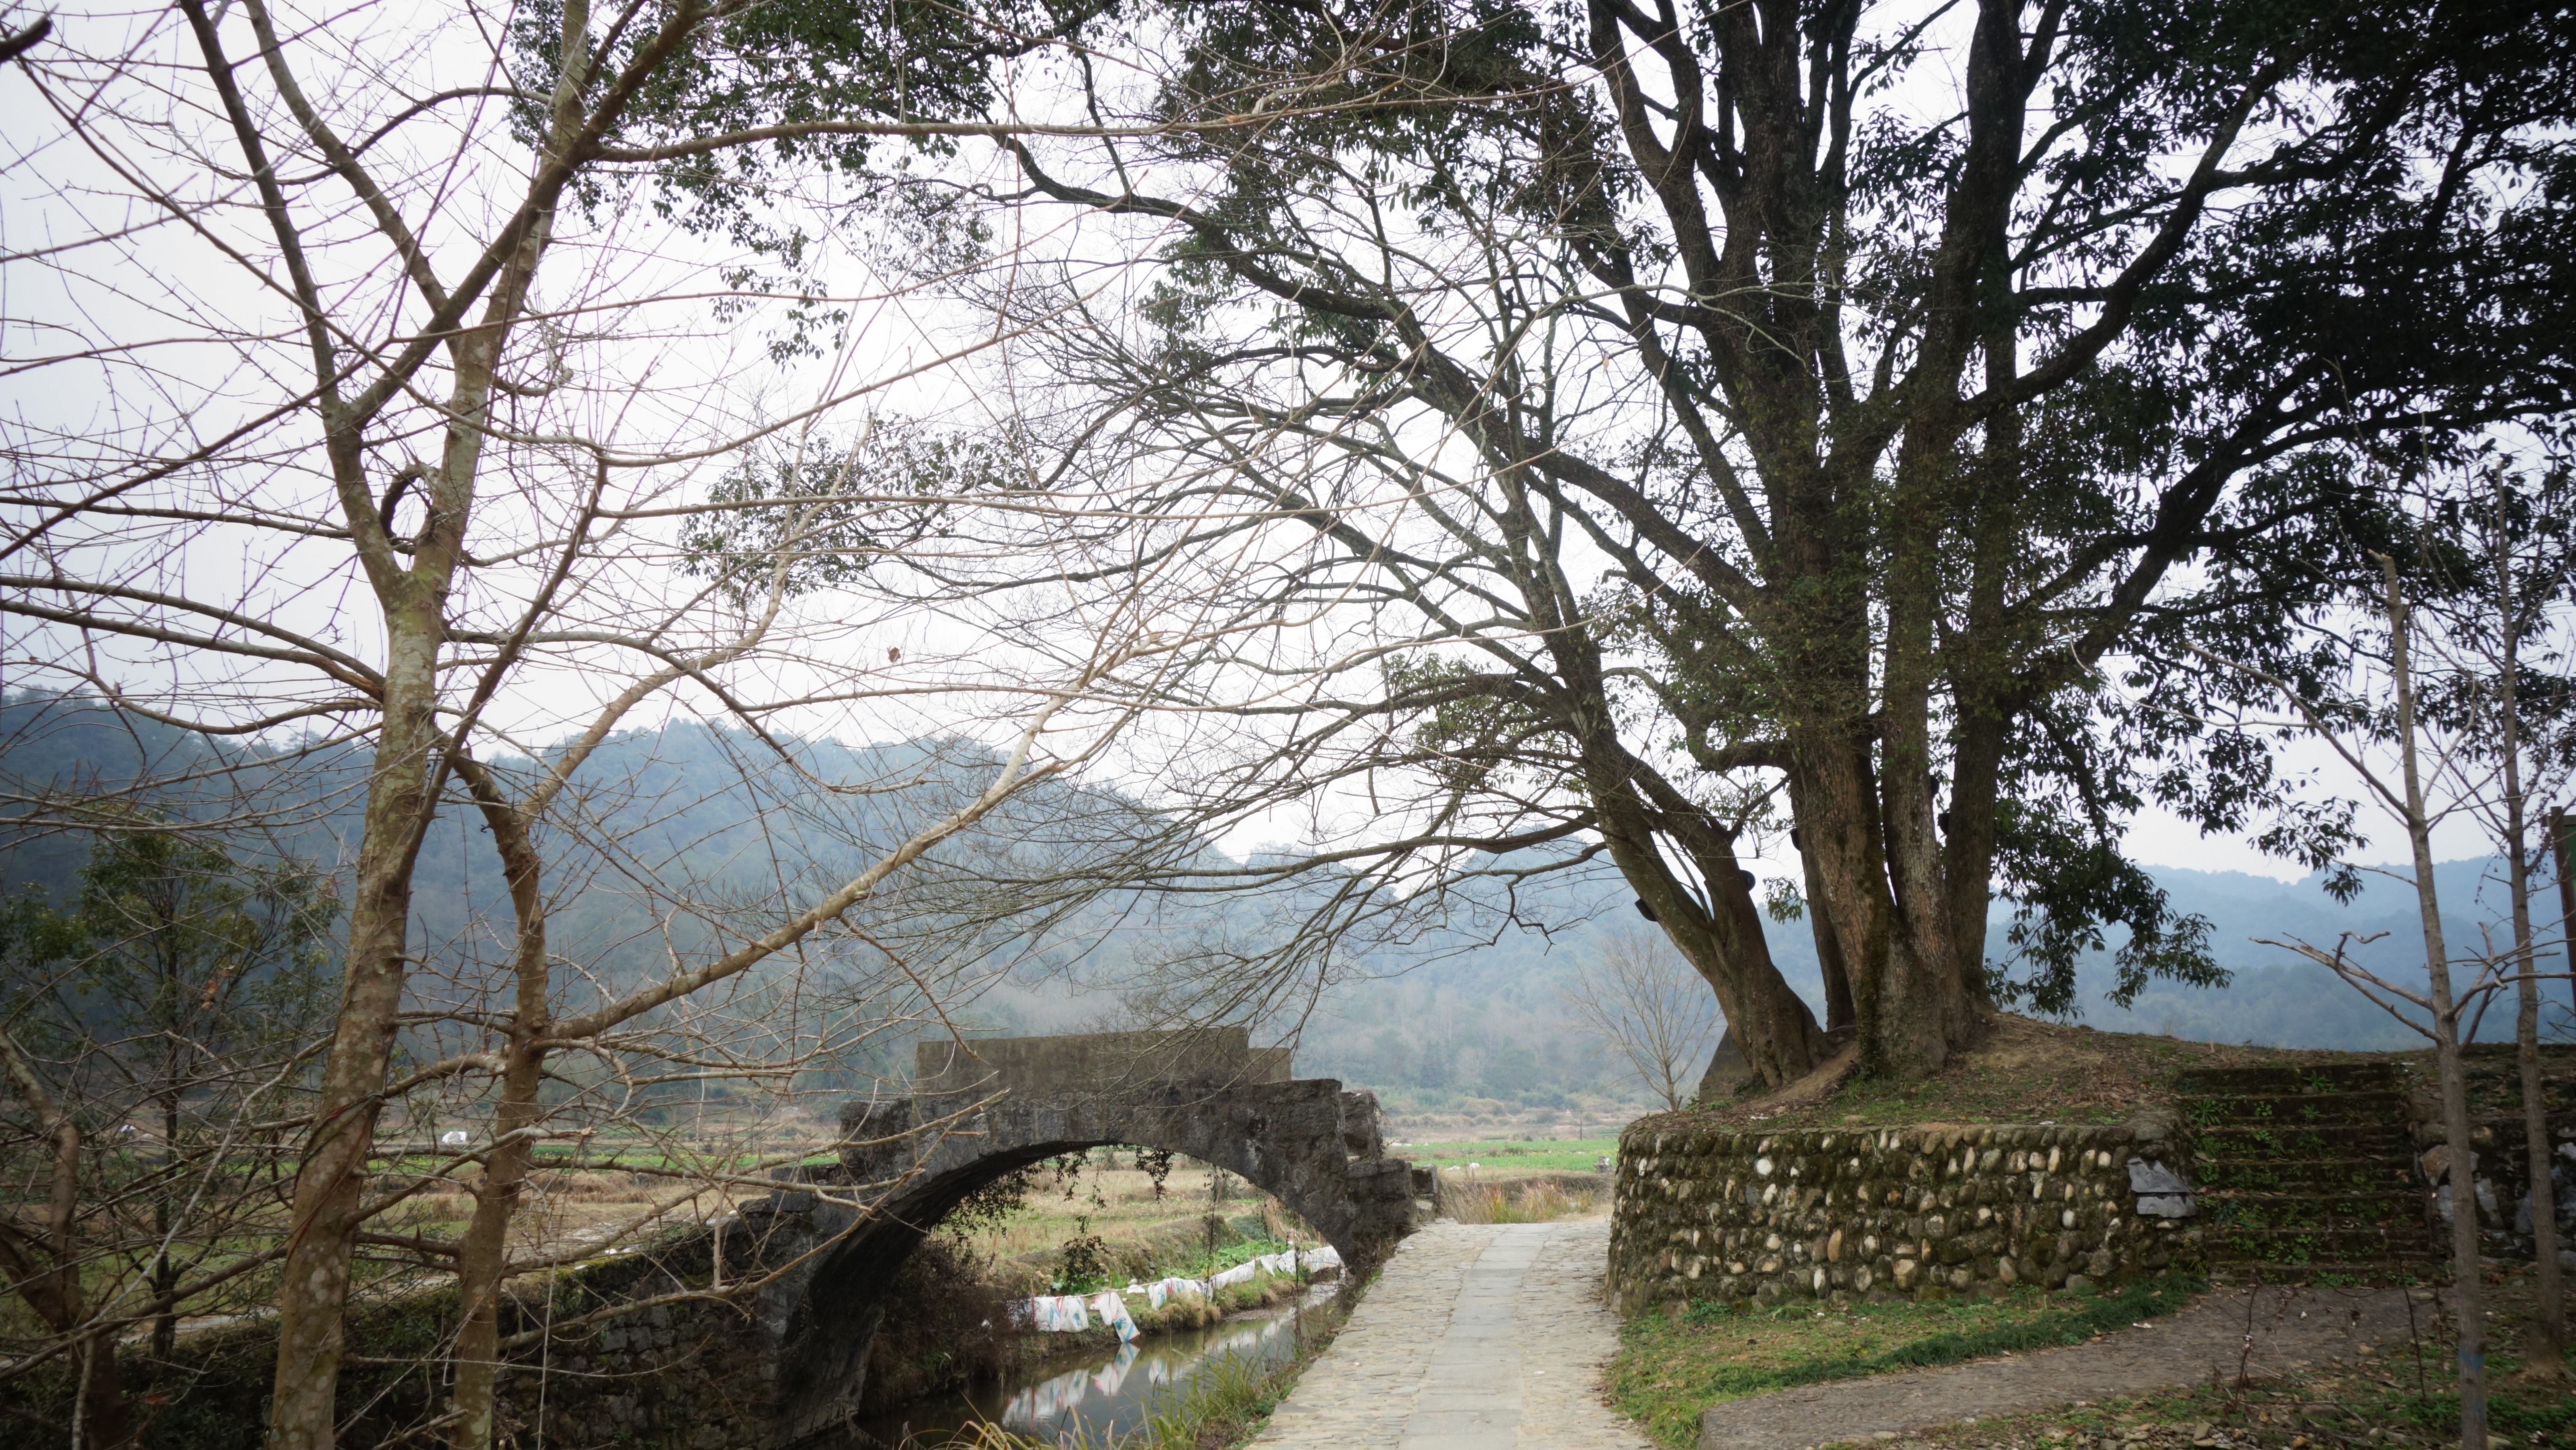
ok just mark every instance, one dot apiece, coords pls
pixel 483 1255
pixel 164 1277
pixel 1770 1023
pixel 2466 1295
pixel 1925 1004
pixel 401 802
pixel 2549 1332
pixel 1790 1044
pixel 1922 1010
pixel 1725 1071
pixel 1839 1022
pixel 1719 934
pixel 1908 1003
pixel 1980 668
pixel 106 1423
pixel 1838 822
pixel 313 1290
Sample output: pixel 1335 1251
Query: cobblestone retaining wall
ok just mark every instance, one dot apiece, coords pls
pixel 2503 1167
pixel 1711 1212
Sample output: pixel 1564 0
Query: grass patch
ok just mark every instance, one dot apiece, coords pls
pixel 1668 1370
pixel 1225 1256
pixel 1513 1155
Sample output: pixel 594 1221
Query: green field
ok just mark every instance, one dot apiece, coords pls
pixel 1513 1155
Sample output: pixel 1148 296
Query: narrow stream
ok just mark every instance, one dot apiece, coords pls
pixel 1106 1395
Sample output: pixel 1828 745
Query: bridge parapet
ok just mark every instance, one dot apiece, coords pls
pixel 1097 1064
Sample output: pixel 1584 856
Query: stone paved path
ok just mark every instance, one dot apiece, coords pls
pixel 1476 1337
pixel 2291 1328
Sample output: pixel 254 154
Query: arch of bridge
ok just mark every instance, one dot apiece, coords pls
pixel 1308 1143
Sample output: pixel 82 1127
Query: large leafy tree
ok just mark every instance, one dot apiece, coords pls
pixel 1833 412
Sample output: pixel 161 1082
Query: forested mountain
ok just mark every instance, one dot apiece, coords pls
pixel 2278 999
pixel 695 833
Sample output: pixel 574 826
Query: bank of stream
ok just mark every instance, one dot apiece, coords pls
pixel 1096 1398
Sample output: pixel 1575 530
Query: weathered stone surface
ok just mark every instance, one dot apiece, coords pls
pixel 1717 1212
pixel 2146 1176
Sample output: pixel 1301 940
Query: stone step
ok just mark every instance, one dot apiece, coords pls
pixel 2277 1081
pixel 2389 1142
pixel 2391 1187
pixel 2338 1109
pixel 2304 1175
pixel 2302 1246
pixel 2406 1192
pixel 2396 1162
pixel 2313 1210
pixel 2409 1270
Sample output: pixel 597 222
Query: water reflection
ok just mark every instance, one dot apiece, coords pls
pixel 1104 1397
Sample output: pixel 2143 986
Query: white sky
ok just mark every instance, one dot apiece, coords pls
pixel 42 200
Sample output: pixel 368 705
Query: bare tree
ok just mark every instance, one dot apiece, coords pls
pixel 2445 1004
pixel 2527 571
pixel 386 402
pixel 153 1027
pixel 1645 1004
pixel 2445 1008
pixel 47 1274
pixel 2467 751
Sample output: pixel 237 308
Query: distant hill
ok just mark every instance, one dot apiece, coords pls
pixel 2279 999
pixel 1464 1005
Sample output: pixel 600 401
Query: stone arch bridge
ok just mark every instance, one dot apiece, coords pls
pixel 980 1111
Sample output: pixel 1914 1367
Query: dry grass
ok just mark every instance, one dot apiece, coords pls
pixel 2024 1071
pixel 557 1211
pixel 1520 1200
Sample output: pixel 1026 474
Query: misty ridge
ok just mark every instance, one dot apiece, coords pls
pixel 1433 1003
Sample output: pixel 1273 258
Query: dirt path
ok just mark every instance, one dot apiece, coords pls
pixel 2290 1328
